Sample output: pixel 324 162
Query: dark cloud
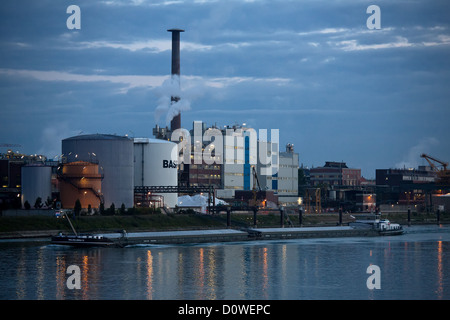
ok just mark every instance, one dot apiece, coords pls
pixel 312 69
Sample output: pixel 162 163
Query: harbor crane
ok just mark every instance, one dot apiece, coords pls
pixel 255 183
pixel 443 174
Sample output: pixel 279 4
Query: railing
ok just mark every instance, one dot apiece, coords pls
pixel 172 189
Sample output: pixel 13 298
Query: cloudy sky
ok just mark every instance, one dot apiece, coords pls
pixel 336 89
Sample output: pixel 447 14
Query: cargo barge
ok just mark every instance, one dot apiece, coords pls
pixel 123 239
pixel 360 228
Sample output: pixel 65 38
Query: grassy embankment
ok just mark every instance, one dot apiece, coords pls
pixel 155 222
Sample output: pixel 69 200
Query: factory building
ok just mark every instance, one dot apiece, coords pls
pixel 288 177
pixel 398 177
pixel 13 192
pixel 199 172
pixel 114 155
pixel 231 159
pixel 284 180
pixel 238 157
pixel 243 155
pixel 404 186
pixel 204 175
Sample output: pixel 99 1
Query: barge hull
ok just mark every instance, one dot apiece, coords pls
pixel 231 235
pixel 310 232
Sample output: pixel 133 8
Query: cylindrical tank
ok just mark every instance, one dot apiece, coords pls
pixel 80 180
pixel 115 158
pixel 36 183
pixel 155 164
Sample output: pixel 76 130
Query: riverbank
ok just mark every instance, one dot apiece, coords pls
pixel 45 226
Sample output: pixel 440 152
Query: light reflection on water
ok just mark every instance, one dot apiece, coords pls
pixel 413 266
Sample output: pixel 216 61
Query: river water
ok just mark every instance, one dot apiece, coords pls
pixel 415 265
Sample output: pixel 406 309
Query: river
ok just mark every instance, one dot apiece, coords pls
pixel 415 265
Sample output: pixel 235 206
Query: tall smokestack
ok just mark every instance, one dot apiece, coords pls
pixel 175 123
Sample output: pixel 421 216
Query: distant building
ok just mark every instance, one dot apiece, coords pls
pixel 12 184
pixel 237 150
pixel 399 177
pixel 335 174
pixel 236 160
pixel 284 182
pixel 197 172
pixel 404 186
pixel 231 169
pixel 204 175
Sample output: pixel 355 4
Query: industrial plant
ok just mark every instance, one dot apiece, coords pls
pixel 235 169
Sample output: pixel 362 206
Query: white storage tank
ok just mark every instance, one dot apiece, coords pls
pixel 36 182
pixel 115 158
pixel 155 164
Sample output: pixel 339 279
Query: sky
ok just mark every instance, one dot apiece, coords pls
pixel 335 88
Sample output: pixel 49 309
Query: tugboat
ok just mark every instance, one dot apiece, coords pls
pixel 81 240
pixel 383 226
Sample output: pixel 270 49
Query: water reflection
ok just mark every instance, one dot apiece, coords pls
pixel 440 272
pixel 311 269
pixel 149 275
pixel 21 275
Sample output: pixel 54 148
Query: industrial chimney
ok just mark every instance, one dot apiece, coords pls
pixel 175 123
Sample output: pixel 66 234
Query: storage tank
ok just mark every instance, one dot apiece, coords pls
pixel 80 180
pixel 115 158
pixel 36 182
pixel 155 164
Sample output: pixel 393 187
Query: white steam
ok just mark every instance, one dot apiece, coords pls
pixel 51 137
pixel 170 88
pixel 412 158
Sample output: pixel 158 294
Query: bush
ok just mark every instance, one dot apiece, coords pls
pixel 38 204
pixel 186 211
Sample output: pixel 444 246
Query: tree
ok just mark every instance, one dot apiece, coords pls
pixel 49 203
pixel 27 205
pixel 77 207
pixel 38 203
pixel 122 209
pixel 112 209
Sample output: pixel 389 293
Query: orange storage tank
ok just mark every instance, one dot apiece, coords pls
pixel 80 180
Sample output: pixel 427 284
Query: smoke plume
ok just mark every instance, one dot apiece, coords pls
pixel 412 158
pixel 170 88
